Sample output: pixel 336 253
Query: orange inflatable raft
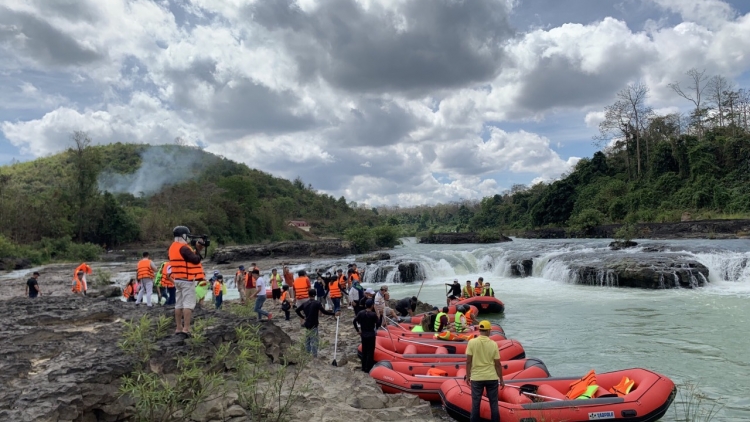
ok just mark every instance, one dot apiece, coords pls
pixel 631 395
pixel 425 379
pixel 402 332
pixel 397 349
pixel 485 304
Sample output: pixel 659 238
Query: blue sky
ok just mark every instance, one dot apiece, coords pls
pixel 388 102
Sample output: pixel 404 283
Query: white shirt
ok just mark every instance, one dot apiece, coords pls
pixel 379 302
pixel 260 286
pixel 354 295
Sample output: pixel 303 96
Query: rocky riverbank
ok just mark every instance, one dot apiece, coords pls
pixel 61 362
pixel 702 229
pixel 459 238
pixel 294 249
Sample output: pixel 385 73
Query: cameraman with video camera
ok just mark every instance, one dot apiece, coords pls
pixel 185 269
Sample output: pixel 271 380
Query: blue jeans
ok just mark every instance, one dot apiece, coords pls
pixel 311 341
pixel 477 388
pixel 259 301
pixel 219 300
pixel 336 304
pixel 172 291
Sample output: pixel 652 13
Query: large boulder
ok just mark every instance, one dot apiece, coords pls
pixel 409 272
pixel 10 264
pixel 228 254
pixel 657 273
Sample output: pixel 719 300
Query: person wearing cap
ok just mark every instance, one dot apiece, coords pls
pixel 484 372
pixel 455 290
pixel 366 324
pixel 407 306
pixel 240 278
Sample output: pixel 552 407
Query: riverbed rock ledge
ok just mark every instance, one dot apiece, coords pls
pixel 293 249
pixel 61 362
pixel 458 238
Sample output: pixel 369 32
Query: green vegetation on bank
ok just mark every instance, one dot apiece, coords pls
pixel 71 205
pixel 652 169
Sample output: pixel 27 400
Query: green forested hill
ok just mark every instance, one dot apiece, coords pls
pixel 656 173
pixel 121 193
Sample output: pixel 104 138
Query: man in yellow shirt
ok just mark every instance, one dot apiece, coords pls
pixel 483 371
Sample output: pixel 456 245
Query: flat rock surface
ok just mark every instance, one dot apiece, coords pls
pixel 59 360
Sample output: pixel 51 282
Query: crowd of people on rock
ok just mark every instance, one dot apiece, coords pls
pixel 181 282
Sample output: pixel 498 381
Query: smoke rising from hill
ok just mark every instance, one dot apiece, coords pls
pixel 160 166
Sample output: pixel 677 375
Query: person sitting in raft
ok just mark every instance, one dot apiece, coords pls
pixel 478 287
pixel 488 291
pixel 467 291
pixel 441 321
pixel 129 291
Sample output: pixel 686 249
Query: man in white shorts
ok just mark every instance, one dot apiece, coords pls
pixel 185 269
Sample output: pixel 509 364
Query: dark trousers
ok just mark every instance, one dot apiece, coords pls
pixel 368 353
pixel 219 300
pixel 477 388
pixel 286 314
pixel 172 299
pixel 357 308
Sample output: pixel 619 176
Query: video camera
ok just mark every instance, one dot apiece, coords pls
pixel 203 237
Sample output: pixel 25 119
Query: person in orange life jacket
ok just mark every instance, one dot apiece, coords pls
pixel 185 270
pixel 478 288
pixel 250 288
pixel 484 372
pixel 240 280
pixel 80 284
pixel 301 286
pixel 366 324
pixel 129 291
pixel 455 290
pixel 146 270
pixel 345 284
pixel 288 276
pixel 275 282
pixel 259 295
pixel 32 286
pixel 335 292
pixel 286 304
pixel 219 290
pixel 309 312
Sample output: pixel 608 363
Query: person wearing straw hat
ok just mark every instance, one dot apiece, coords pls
pixel 484 372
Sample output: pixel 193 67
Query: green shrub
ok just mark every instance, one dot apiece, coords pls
pixel 627 232
pixel 385 236
pixel 361 237
pixel 586 220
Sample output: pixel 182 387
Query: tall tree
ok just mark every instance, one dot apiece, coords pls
pixel 718 90
pixel 628 119
pixel 694 94
pixel 86 170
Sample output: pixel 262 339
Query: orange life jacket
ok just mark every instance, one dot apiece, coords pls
pixel 239 273
pixel 342 282
pixel 580 386
pixel 83 267
pixel 181 269
pixel 250 281
pixel 623 388
pixel 435 372
pixel 284 295
pixel 144 269
pixel 469 317
pixel 77 284
pixel 355 276
pixel 301 287
pixel 217 288
pixel 128 291
pixel 450 336
pixel 477 290
pixel 334 289
pixel 288 279
pixel 166 279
